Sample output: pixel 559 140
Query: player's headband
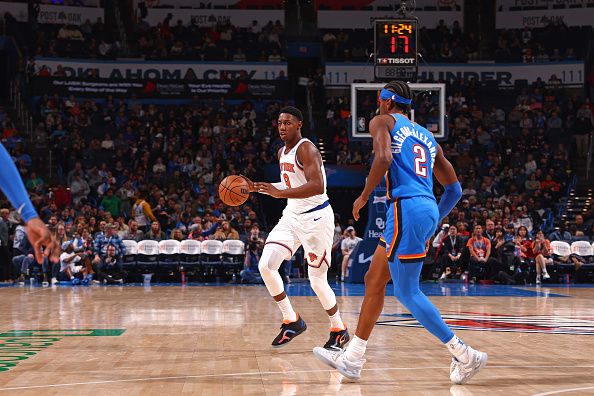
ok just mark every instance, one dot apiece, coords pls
pixel 386 94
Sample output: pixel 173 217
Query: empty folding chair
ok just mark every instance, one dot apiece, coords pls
pixel 129 260
pixel 211 255
pixel 189 253
pixel 169 254
pixel 147 255
pixel 233 255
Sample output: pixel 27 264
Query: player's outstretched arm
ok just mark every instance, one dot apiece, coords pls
pixel 311 159
pixel 446 176
pixel 379 128
pixel 12 186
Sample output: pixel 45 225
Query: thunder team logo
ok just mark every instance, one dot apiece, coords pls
pixel 548 324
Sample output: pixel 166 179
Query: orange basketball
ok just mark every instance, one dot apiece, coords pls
pixel 234 190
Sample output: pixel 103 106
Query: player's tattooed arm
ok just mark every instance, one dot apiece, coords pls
pixel 379 128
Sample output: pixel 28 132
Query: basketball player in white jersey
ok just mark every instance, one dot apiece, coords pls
pixel 307 220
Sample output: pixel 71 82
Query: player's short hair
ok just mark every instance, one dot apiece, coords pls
pixel 294 111
pixel 401 89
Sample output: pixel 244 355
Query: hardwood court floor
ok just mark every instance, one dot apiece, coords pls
pixel 216 341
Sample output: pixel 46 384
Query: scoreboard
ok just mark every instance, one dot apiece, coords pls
pixel 395 42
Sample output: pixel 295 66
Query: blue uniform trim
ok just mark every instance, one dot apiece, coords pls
pixel 12 186
pixel 319 207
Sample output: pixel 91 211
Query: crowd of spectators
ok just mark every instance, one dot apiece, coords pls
pixel 169 39
pixel 88 40
pixel 220 42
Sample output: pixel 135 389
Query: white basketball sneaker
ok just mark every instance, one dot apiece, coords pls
pixel 461 373
pixel 337 360
pixel 545 275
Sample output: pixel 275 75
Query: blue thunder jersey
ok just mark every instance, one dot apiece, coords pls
pixel 413 155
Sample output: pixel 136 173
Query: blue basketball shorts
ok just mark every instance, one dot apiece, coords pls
pixel 410 223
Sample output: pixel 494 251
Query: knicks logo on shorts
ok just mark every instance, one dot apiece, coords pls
pixel 312 257
pixel 548 324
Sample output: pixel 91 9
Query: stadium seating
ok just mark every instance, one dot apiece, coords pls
pixel 169 254
pixel 129 259
pixel 148 255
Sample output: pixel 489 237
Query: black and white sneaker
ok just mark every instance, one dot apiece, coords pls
pixel 289 331
pixel 338 339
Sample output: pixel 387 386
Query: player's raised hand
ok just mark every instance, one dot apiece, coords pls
pixel 40 236
pixel 358 205
pixel 267 188
pixel 250 183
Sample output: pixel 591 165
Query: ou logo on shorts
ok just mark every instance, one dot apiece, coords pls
pixel 380 223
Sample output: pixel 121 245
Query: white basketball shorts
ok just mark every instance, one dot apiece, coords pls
pixel 315 231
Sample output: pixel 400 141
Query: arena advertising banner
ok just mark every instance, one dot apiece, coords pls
pixel 208 17
pixel 510 5
pixel 570 73
pixel 377 207
pixel 364 19
pixel 157 89
pixel 154 70
pixel 542 18
pixel 54 14
pixel 320 3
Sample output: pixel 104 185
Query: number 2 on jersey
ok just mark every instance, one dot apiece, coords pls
pixel 287 181
pixel 420 160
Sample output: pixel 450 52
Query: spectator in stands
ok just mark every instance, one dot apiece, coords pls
pixel 250 273
pixel 142 213
pixel 490 230
pixel 451 254
pixel 110 269
pixel 440 236
pixel 74 266
pixel 561 234
pixel 102 241
pixel 542 250
pixel 480 255
pixel 225 231
pixel 177 234
pixel 111 203
pixel 133 232
pixel 579 223
pixel 348 244
pixel 155 232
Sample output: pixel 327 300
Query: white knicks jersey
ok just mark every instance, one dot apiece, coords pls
pixel 292 175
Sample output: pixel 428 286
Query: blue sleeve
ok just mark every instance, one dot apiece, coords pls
pixel 449 199
pixel 97 245
pixel 211 230
pixel 122 247
pixel 12 186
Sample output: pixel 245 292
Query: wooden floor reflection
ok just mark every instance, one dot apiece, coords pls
pixel 216 341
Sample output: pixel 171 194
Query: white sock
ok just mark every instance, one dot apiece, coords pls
pixel 289 315
pixel 458 349
pixel 356 349
pixel 336 321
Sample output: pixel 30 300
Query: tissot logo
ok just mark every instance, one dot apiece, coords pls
pixel 509 323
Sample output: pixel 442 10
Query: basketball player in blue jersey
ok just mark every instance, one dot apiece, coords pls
pixel 44 244
pixel 408 156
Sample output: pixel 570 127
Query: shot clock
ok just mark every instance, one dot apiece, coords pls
pixel 396 48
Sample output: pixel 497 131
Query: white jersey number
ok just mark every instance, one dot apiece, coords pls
pixel 420 160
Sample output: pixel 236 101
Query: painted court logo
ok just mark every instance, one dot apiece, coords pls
pixel 548 324
pixel 19 345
